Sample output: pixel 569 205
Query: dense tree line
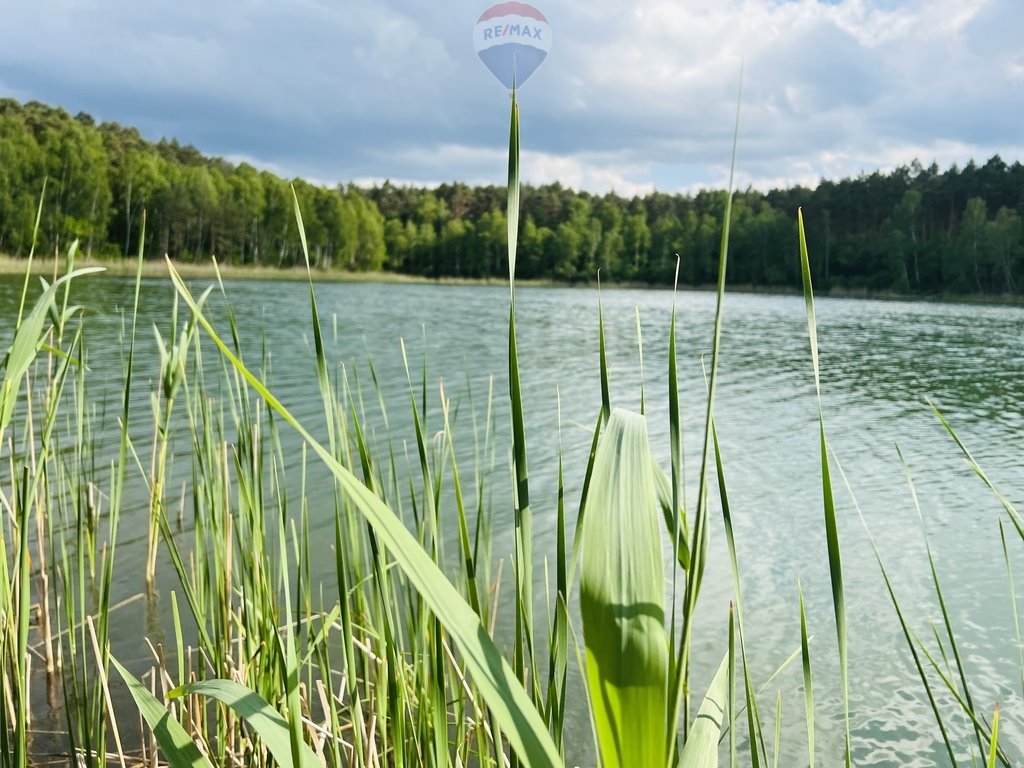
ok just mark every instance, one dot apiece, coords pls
pixel 915 230
pixel 100 178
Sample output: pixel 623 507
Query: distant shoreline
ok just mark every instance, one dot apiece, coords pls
pixel 152 268
pixel 157 268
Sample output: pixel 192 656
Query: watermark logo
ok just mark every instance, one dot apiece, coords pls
pixel 512 40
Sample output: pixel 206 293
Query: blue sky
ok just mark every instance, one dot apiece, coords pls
pixel 635 94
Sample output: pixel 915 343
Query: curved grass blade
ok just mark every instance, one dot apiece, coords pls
pixel 955 693
pixel 835 564
pixel 907 632
pixel 26 343
pixel 1013 603
pixel 756 735
pixel 602 417
pixel 805 657
pixel 678 527
pixel 731 719
pixel 558 643
pixel 993 751
pixel 701 747
pixel 675 517
pixel 271 727
pixel 1011 510
pixel 602 350
pixel 946 621
pixel 31 253
pixel 178 748
pixel 640 352
pixel 778 730
pixel 469 564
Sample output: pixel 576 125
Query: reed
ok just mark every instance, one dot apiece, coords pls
pixel 396 659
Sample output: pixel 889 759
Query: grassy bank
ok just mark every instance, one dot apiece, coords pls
pixel 158 268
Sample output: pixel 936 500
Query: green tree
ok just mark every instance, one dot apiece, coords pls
pixel 907 219
pixel 533 244
pixel 966 272
pixel 399 239
pixel 637 244
pixel 565 255
pixel 371 250
pixel 612 248
pixel 491 235
pixel 666 242
pixel 21 181
pixel 244 209
pixel 1006 238
pixel 456 242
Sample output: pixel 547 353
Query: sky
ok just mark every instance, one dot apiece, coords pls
pixel 635 95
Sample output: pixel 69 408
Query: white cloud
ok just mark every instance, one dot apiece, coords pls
pixel 634 91
pixel 595 172
pixel 598 172
pixel 1015 68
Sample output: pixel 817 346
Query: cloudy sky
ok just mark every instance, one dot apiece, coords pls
pixel 636 94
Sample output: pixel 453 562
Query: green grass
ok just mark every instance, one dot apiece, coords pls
pixel 395 659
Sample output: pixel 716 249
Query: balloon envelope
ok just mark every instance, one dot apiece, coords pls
pixel 512 39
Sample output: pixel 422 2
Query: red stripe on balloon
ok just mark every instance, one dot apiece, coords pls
pixel 511 9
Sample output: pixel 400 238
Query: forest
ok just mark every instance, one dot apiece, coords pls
pixel 915 230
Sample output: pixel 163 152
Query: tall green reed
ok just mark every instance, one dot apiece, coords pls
pixel 397 661
pixel 835 563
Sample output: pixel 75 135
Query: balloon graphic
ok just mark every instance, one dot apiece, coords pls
pixel 512 39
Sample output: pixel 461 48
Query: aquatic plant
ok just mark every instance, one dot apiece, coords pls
pixel 398 662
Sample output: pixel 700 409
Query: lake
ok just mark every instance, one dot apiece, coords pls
pixel 879 363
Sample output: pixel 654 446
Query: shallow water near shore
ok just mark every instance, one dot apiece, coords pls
pixel 880 360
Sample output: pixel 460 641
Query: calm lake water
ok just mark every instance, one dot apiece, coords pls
pixel 880 360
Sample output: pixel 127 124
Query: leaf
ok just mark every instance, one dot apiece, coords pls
pixel 178 749
pixel 259 714
pixel 622 599
pixel 805 656
pixel 675 520
pixel 835 560
pixel 25 346
pixel 513 189
pixel 523 657
pixel 701 747
pixel 993 751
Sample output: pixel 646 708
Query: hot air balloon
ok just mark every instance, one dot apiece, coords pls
pixel 512 39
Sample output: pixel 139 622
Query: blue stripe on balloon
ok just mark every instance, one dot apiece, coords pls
pixel 512 63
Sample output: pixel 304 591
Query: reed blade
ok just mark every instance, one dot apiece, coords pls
pixel 622 599
pixel 176 745
pixel 835 564
pixel 273 729
pixel 805 658
pixel 701 747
